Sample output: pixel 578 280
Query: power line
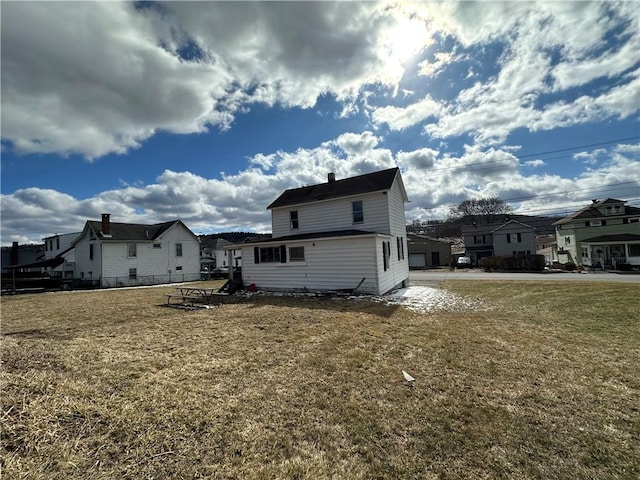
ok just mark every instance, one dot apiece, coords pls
pixel 551 194
pixel 578 147
pixel 564 192
pixel 570 206
pixel 465 166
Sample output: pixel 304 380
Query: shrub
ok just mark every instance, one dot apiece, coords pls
pixel 569 267
pixel 529 263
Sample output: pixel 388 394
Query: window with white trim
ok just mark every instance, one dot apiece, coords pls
pixel 132 250
pixel 293 219
pixel 178 249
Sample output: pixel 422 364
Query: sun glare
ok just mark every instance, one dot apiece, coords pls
pixel 403 42
pixel 408 39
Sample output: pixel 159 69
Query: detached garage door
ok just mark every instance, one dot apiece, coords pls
pixel 417 260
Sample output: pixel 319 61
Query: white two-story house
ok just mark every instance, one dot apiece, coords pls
pixel 61 246
pixel 111 254
pixel 340 235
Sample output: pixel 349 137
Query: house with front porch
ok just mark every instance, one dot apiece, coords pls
pixel 604 234
pixel 346 234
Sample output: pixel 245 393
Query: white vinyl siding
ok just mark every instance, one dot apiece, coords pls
pixel 338 263
pixel 334 215
pixel 328 265
pixel 111 258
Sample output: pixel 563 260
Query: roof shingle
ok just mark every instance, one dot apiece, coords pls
pixel 370 182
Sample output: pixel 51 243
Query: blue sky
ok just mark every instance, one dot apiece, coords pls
pixel 206 111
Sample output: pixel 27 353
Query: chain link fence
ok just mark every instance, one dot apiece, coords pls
pixel 145 280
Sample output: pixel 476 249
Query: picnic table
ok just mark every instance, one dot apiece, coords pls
pixel 195 295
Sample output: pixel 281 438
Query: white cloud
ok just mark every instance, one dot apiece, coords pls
pixel 539 58
pixel 535 163
pixel 399 118
pixel 96 78
pixel 434 181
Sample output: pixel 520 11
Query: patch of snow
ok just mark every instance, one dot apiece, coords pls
pixel 429 299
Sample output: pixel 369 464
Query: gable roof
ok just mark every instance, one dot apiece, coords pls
pixel 485 228
pixel 132 231
pixel 524 225
pixel 591 211
pixel 367 183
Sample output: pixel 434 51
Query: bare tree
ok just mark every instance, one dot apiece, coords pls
pixel 482 210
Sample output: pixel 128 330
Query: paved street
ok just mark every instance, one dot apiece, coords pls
pixel 430 277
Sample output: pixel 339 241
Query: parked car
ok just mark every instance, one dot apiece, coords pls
pixel 463 262
pixel 222 272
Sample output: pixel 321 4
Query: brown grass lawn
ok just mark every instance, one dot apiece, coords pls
pixel 112 385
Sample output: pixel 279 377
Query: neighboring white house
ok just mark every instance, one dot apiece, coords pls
pixel 213 254
pixel 122 254
pixel 340 235
pixel 61 246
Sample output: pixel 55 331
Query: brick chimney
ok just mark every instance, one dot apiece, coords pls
pixel 331 177
pixel 106 225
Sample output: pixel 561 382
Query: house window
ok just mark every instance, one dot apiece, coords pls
pixel 58 243
pixel 133 273
pixel 634 250
pixel 296 254
pixel 567 240
pixel 398 247
pixel 594 223
pixel 386 254
pixel 358 213
pixel 293 219
pixel 514 237
pixel 477 239
pixel 178 267
pixel 157 245
pixel 270 254
pixel 178 249
pixel 402 246
pixel 91 251
pixel 634 220
pixel 132 250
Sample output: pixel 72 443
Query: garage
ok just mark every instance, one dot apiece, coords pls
pixel 417 260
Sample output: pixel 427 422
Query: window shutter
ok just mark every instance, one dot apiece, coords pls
pixel 256 255
pixel 283 254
